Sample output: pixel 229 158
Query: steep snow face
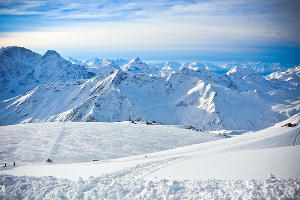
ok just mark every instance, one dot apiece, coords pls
pixel 16 71
pixel 22 70
pixel 53 68
pixel 93 100
pixel 215 101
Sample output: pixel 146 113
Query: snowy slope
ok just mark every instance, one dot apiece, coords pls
pixel 22 70
pixel 193 97
pixel 16 67
pixel 53 68
pixel 53 89
pixel 236 168
pixel 95 99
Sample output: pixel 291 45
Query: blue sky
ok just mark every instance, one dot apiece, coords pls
pixel 156 30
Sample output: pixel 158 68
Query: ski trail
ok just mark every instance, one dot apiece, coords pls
pixel 167 162
pixel 57 142
pixel 295 139
pixel 138 172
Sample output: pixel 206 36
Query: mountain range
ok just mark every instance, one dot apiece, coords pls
pixel 36 88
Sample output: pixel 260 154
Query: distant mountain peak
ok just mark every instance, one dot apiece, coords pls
pixel 136 59
pixel 241 71
pixel 51 53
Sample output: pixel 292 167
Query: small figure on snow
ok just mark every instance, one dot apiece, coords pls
pixel 14 164
pixel 5 165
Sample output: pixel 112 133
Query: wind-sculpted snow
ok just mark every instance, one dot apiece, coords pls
pixel 118 187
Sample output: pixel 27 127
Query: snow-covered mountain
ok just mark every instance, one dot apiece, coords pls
pixel 262 68
pixel 53 68
pixel 240 99
pixel 137 66
pixel 22 70
pixel 207 66
pixel 16 67
pixel 102 67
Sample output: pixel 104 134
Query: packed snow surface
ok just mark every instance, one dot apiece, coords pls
pixel 262 164
pixel 83 142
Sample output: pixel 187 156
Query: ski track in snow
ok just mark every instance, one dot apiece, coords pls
pixel 58 140
pixel 295 140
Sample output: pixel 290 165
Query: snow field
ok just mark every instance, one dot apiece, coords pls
pixel 83 142
pixel 239 167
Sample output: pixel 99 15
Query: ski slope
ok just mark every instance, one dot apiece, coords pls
pixel 255 165
pixel 82 142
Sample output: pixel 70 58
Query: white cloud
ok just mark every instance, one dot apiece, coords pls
pixel 156 25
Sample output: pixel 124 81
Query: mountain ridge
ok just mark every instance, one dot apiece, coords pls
pixel 240 99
